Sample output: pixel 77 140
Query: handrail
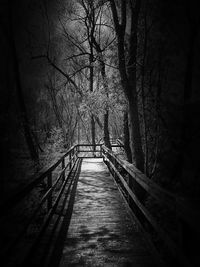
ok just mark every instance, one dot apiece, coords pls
pixel 119 142
pixel 52 184
pixel 38 178
pixel 180 206
pixel 164 197
pixel 158 192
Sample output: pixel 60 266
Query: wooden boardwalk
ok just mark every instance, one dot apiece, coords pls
pixel 101 232
pixel 86 222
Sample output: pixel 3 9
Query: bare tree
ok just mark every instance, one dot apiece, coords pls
pixel 16 69
pixel 127 69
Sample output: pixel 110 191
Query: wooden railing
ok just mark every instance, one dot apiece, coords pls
pixel 119 142
pixel 89 150
pixel 46 173
pixel 66 161
pixel 53 178
pixel 126 175
pixel 53 182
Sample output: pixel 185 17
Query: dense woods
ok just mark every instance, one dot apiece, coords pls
pixel 83 71
pixel 87 71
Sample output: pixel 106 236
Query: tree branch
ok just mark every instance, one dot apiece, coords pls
pixel 115 15
pixel 60 71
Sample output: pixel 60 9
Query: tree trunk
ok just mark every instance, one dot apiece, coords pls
pixel 128 80
pixel 128 75
pixel 106 115
pixel 91 89
pixel 186 160
pixel 56 109
pixel 103 74
pixel 135 137
pixel 131 91
pixel 144 122
pixel 93 132
pixel 127 138
pixel 25 122
pixel 106 130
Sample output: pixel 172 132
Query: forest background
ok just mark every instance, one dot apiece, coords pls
pixel 85 71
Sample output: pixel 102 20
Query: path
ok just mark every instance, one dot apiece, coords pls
pixel 101 232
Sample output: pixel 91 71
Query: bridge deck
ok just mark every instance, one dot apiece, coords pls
pixel 101 232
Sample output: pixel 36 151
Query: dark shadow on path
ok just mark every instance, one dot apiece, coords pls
pixel 60 240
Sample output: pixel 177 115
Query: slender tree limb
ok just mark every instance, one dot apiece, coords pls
pixel 67 76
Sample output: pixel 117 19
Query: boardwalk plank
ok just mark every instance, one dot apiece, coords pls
pixel 101 232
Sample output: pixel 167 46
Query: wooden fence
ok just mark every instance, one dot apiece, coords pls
pixel 185 214
pixel 126 175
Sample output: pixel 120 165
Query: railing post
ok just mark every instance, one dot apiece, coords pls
pixel 63 166
pixel 70 158
pixel 49 185
pixel 114 163
pixel 72 155
pixel 76 152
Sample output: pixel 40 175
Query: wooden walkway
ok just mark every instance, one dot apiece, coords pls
pixel 86 221
pixel 101 232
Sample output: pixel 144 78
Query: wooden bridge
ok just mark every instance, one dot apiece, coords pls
pixel 91 216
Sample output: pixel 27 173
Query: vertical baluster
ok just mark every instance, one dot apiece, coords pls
pixel 115 164
pixel 104 154
pixel 49 185
pixel 70 158
pixel 63 166
pixel 77 150
pixel 75 153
